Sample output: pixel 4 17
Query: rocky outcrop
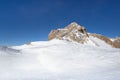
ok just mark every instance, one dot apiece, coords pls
pixel 105 39
pixel 117 42
pixel 114 43
pixel 77 33
pixel 72 32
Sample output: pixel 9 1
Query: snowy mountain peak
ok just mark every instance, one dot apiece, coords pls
pixel 77 33
pixel 74 24
pixel 72 32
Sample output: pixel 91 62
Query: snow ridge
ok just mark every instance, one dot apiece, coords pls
pixel 61 60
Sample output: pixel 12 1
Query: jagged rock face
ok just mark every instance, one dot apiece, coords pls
pixel 72 32
pixel 77 33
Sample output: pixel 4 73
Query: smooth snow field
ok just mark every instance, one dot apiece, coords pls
pixel 59 60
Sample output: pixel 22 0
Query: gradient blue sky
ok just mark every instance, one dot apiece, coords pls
pixel 23 21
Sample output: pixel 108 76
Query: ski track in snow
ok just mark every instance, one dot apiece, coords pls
pixel 60 60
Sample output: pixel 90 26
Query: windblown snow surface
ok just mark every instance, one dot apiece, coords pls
pixel 60 60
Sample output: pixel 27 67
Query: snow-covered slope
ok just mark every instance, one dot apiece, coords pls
pixel 61 60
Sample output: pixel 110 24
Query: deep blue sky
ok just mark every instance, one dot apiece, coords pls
pixel 23 21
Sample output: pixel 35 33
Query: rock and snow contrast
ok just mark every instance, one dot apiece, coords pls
pixel 77 33
pixel 70 54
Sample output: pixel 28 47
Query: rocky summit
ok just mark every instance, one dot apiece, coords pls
pixel 77 33
pixel 72 32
